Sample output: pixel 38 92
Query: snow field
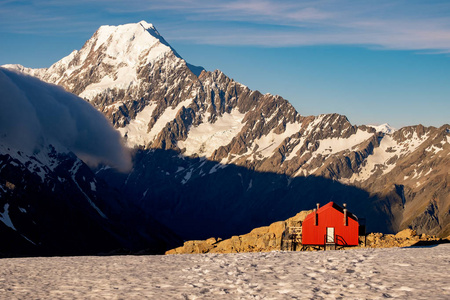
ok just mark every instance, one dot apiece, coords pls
pixel 206 138
pixel 168 115
pixel 405 273
pixel 336 145
pixel 388 149
pixel 136 130
pixel 268 143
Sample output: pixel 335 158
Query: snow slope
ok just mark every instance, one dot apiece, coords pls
pixel 206 137
pixel 405 273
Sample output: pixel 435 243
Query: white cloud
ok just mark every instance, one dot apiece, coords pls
pixel 34 113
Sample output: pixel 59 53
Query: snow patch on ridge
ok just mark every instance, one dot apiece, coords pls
pixel 38 163
pixel 4 217
pixel 336 145
pixel 168 115
pixel 125 78
pixel 292 154
pixel 378 160
pixel 312 125
pixel 433 149
pixel 413 142
pixel 187 177
pixel 388 149
pixel 74 171
pixel 268 143
pixel 136 131
pixel 206 138
pixel 332 146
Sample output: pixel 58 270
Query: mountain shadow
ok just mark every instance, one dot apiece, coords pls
pixel 197 198
pixel 65 215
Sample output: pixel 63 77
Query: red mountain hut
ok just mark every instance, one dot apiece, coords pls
pixel 330 225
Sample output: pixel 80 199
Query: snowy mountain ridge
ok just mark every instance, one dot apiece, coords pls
pixel 156 101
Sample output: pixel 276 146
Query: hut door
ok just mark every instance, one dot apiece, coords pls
pixel 330 234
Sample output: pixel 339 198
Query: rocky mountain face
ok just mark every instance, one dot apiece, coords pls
pixel 416 173
pixel 214 158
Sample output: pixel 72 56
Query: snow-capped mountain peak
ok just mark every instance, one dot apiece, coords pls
pixel 110 59
pixel 383 128
pixel 146 25
pixel 128 39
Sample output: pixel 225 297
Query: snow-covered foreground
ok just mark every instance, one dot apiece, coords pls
pixel 407 273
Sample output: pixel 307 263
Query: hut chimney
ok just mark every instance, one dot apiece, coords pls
pixel 316 217
pixel 345 215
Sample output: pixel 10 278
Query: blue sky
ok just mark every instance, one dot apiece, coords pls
pixel 373 61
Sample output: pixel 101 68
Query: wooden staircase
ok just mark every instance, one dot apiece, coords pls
pixel 291 239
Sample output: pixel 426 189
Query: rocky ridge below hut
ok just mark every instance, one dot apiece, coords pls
pixel 272 238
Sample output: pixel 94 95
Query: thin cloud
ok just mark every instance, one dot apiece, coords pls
pixel 406 25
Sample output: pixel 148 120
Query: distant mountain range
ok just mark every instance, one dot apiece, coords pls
pixel 214 158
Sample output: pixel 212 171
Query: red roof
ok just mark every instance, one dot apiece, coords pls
pixel 329 205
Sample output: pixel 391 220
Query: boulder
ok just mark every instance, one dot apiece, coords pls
pixel 406 234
